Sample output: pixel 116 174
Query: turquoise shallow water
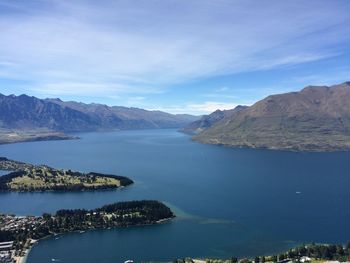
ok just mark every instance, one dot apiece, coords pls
pixel 230 202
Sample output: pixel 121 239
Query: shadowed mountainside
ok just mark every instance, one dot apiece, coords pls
pixel 25 112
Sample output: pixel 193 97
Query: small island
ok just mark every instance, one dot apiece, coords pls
pixel 23 177
pixel 20 233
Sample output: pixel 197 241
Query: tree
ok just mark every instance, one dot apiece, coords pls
pixel 302 251
pixel 234 260
pixel 348 245
pixel 291 254
pixel 340 250
pixel 256 260
pixel 46 216
pixel 281 257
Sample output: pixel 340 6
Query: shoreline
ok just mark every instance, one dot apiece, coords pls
pixel 307 253
pixel 199 259
pixel 272 148
pixel 113 216
pixel 23 259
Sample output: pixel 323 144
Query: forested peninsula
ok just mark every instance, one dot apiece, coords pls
pixel 23 177
pixel 23 231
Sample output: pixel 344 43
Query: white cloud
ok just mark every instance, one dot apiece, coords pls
pixel 198 108
pixel 84 47
pixel 90 89
pixel 135 101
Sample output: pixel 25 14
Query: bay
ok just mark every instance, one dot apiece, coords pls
pixel 229 202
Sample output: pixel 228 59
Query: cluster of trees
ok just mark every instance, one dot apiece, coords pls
pixel 5 179
pixel 327 252
pixel 183 260
pixel 124 181
pixel 316 251
pixel 189 260
pixel 20 236
pixel 118 214
pixel 151 209
pixel 320 252
pixel 6 236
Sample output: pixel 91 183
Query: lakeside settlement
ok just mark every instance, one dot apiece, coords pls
pixel 19 233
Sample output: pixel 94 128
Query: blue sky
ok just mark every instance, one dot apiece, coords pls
pixel 180 56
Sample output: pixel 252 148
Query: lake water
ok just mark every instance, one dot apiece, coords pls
pixel 3 172
pixel 229 202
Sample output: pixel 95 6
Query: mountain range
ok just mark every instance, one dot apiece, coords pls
pixel 25 112
pixel 315 119
pixel 25 118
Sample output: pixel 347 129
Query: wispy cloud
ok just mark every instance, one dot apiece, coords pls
pixel 337 75
pixel 139 47
pixel 223 92
pixel 91 88
pixel 198 108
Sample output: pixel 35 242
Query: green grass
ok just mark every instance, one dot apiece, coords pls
pixel 39 178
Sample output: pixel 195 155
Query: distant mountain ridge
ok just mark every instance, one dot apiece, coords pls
pixel 209 120
pixel 26 112
pixel 315 119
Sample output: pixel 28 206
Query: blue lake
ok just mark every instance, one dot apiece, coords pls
pixel 229 202
pixel 2 172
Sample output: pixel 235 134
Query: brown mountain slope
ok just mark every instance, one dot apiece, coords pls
pixel 314 119
pixel 208 121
